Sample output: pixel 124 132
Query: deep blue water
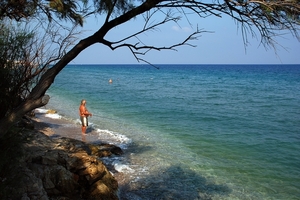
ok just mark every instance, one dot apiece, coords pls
pixel 195 131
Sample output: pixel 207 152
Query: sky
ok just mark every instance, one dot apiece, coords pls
pixel 223 44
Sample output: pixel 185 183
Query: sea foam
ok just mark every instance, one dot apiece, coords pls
pixel 48 114
pixel 53 116
pixel 41 110
pixel 115 138
pixel 122 167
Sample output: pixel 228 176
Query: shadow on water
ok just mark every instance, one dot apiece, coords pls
pixel 139 149
pixel 173 183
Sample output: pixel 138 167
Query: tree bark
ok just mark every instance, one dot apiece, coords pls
pixel 37 97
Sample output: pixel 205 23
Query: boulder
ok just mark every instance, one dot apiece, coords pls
pixel 63 168
pixel 104 150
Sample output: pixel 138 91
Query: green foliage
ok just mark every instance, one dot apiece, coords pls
pixel 14 66
pixel 113 6
pixel 68 9
pixel 17 9
pixel 64 9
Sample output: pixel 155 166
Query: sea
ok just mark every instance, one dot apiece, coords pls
pixel 191 131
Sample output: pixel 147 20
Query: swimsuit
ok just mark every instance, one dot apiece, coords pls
pixel 84 120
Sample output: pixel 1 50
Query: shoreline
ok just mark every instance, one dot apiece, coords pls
pixel 60 127
pixel 197 139
pixel 46 164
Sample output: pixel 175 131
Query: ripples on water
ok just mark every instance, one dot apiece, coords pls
pixel 196 132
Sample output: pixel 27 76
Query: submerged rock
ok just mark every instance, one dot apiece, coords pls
pixel 104 150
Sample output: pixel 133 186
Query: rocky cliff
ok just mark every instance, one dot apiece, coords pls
pixel 60 168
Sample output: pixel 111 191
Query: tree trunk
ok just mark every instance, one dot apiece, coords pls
pixel 37 97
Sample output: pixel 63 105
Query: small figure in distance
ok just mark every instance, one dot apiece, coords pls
pixel 84 114
pixel 110 81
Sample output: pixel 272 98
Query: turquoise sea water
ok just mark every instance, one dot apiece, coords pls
pixel 194 131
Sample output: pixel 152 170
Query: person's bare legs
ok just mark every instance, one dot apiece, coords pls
pixel 83 137
pixel 83 129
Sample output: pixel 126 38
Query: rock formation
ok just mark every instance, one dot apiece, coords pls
pixel 62 168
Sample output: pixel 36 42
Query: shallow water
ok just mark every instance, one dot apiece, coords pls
pixel 193 132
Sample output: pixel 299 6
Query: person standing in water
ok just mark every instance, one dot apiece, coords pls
pixel 84 114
